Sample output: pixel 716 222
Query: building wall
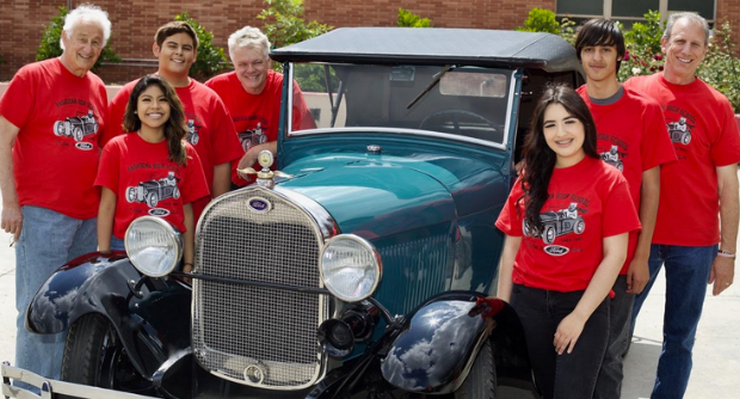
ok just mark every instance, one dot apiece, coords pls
pixel 135 21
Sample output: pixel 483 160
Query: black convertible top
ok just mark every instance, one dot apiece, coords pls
pixel 478 47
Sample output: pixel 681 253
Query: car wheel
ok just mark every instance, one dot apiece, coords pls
pixel 620 166
pixel 152 200
pixel 481 382
pixel 77 133
pixel 176 193
pixel 548 235
pixel 131 194
pixel 525 228
pixel 194 139
pixel 579 226
pixel 94 355
pixel 686 138
pixel 58 128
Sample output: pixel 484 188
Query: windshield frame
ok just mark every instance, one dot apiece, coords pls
pixel 290 133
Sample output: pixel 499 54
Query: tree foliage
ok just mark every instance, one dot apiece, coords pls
pixel 284 24
pixel 211 59
pixel 541 20
pixel 407 19
pixel 50 48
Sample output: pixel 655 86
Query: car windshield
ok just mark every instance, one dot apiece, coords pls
pixel 460 101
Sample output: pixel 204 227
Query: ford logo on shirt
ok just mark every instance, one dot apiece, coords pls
pixel 556 250
pixel 84 146
pixel 259 204
pixel 159 212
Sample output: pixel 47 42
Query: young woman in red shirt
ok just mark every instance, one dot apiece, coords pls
pixel 151 170
pixel 566 222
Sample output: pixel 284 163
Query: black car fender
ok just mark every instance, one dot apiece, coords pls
pixel 152 319
pixel 441 339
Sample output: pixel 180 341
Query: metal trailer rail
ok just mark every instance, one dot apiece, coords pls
pixel 52 389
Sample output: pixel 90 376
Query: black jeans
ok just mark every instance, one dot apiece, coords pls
pixel 573 375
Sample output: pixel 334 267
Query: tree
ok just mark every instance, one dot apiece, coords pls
pixel 284 24
pixel 50 48
pixel 410 20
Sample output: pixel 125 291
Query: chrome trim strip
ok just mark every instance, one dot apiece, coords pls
pixel 49 386
pixel 398 131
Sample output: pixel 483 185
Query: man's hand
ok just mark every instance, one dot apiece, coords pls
pixel 12 219
pixel 638 275
pixel 722 274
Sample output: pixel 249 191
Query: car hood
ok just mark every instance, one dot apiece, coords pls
pixel 376 195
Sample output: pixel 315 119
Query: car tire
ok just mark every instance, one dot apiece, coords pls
pixel 77 133
pixel 59 128
pixel 549 235
pixel 481 381
pixel 176 193
pixel 152 200
pixel 95 356
pixel 579 226
pixel 686 138
pixel 130 194
pixel 194 139
pixel 525 228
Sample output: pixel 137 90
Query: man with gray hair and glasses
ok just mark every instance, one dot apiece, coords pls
pixel 50 118
pixel 693 191
pixel 252 94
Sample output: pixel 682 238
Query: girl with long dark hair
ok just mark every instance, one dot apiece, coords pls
pixel 566 223
pixel 151 170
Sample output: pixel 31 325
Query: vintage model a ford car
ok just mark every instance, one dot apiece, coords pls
pixel 365 267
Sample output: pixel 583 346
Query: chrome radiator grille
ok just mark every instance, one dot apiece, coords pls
pixel 258 336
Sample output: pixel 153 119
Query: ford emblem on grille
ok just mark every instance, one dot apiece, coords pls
pixel 254 374
pixel 259 204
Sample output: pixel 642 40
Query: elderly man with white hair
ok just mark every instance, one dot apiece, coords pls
pixel 50 119
pixel 252 93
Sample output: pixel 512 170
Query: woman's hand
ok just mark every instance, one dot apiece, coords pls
pixel 567 333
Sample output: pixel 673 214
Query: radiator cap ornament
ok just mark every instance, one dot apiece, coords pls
pixel 265 177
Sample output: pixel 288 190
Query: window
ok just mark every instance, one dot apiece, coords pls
pixel 633 10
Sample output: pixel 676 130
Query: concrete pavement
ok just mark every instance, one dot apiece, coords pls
pixel 716 353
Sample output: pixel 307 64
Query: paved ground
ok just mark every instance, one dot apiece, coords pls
pixel 716 354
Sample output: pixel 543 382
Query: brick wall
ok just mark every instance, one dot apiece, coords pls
pixel 135 21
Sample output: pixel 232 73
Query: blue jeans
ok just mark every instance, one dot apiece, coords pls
pixel 609 383
pixel 568 375
pixel 117 244
pixel 47 241
pixel 686 271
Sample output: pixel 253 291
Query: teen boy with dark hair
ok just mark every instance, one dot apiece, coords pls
pixel 631 127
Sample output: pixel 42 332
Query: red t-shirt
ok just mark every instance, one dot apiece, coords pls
pixel 147 182
pixel 55 156
pixel 701 125
pixel 257 117
pixel 588 201
pixel 632 145
pixel 211 131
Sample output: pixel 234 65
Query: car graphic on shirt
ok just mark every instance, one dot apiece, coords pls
pixel 153 191
pixel 77 127
pixel 193 136
pixel 680 131
pixel 612 158
pixel 558 223
pixel 251 137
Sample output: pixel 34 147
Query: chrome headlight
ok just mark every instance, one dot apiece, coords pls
pixel 350 267
pixel 153 246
